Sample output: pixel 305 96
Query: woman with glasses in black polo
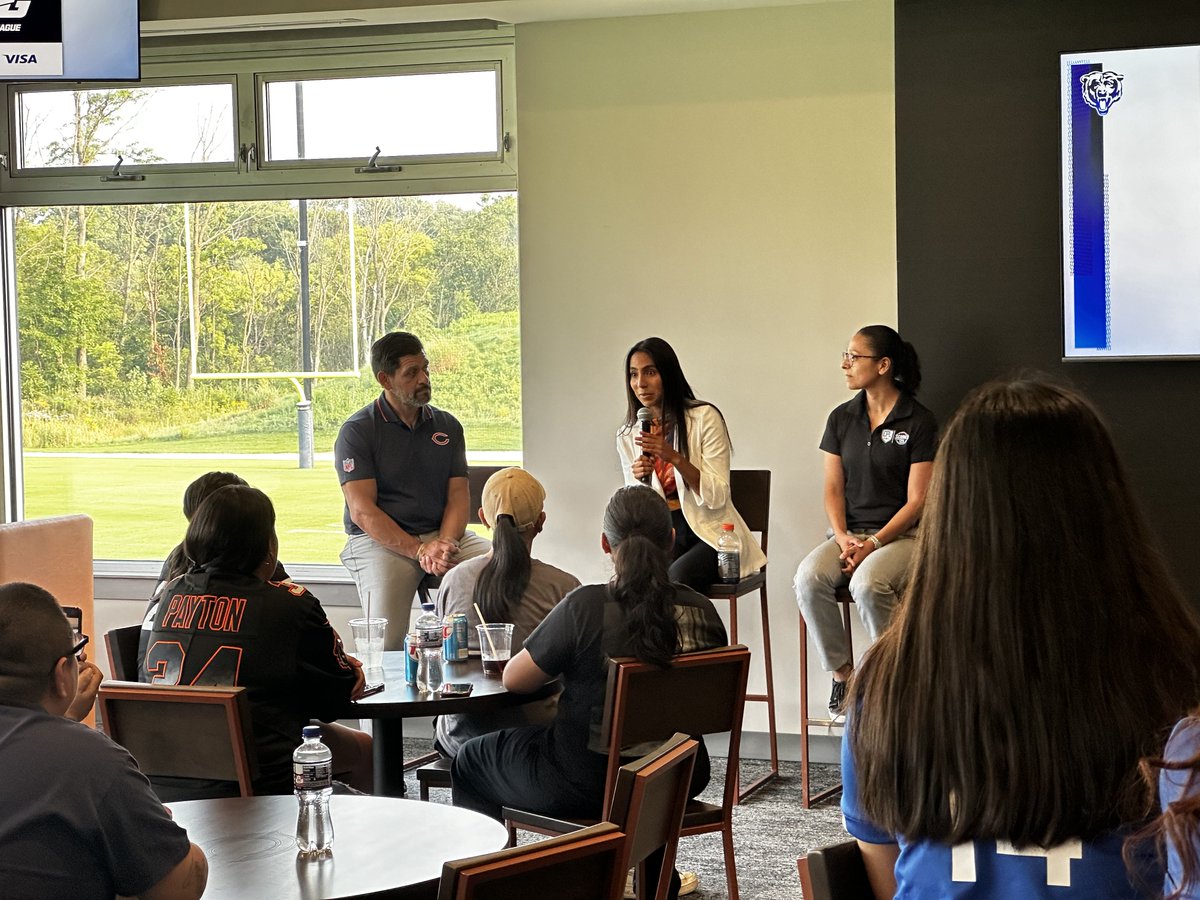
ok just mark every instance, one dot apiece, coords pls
pixel 878 450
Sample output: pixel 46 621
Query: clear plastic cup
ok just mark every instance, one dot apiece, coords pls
pixel 369 635
pixel 495 646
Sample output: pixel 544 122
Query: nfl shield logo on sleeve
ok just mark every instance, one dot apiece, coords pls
pixel 348 464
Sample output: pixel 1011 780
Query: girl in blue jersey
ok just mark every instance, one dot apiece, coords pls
pixel 1042 649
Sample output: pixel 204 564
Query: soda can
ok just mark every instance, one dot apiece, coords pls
pixel 454 646
pixel 412 656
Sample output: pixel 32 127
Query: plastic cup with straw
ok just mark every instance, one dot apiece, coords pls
pixel 495 644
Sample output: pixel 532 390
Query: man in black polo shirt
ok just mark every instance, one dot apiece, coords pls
pixel 403 468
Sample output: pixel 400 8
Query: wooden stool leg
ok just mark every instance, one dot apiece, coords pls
pixel 807 798
pixel 769 699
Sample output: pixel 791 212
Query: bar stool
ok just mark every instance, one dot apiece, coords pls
pixel 750 493
pixel 842 596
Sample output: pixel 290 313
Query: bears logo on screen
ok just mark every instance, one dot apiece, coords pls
pixel 1101 90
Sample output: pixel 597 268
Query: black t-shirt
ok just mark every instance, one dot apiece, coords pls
pixel 575 641
pixel 876 463
pixel 77 818
pixel 412 468
pixel 272 639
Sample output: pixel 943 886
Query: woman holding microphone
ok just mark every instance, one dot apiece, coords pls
pixel 684 457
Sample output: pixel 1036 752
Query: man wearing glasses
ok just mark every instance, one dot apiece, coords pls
pixel 77 818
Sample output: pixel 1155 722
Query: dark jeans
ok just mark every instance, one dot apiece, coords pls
pixel 695 562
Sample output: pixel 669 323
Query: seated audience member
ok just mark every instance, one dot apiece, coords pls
pixel 559 769
pixel 77 818
pixel 223 623
pixel 176 563
pixel 509 586
pixel 878 449
pixel 1040 651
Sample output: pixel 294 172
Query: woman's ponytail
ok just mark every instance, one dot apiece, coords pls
pixel 503 580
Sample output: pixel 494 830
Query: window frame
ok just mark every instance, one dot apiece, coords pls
pixel 248 62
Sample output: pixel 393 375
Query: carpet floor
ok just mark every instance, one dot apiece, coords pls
pixel 770 830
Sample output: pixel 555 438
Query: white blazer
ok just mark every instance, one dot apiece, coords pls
pixel 706 510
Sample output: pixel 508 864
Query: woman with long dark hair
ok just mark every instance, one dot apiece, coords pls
pixel 1041 650
pixel 508 585
pixel 559 769
pixel 878 450
pixel 685 458
pixel 224 623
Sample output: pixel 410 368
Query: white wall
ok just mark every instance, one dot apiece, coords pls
pixel 726 181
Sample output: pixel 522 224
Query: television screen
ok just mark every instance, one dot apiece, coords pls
pixel 69 40
pixel 1131 203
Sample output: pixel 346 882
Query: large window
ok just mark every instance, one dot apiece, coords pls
pixel 161 324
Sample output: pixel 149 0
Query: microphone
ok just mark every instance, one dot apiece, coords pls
pixel 644 417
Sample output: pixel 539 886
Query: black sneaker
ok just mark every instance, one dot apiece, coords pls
pixel 837 699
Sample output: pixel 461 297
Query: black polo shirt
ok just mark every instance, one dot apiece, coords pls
pixel 411 467
pixel 876 463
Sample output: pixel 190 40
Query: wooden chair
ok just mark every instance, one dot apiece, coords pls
pixel 834 873
pixel 648 805
pixel 701 693
pixel 183 732
pixel 583 865
pixel 750 491
pixel 122 647
pixel 807 799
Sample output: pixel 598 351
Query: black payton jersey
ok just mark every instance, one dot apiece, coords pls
pixel 273 639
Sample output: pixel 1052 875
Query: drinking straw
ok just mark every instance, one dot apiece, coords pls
pixel 487 634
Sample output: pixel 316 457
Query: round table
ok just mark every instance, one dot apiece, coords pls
pixel 399 700
pixel 381 845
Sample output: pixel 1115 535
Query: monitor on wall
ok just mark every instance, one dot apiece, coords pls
pixel 69 40
pixel 1130 163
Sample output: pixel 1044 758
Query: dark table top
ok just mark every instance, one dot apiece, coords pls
pixel 382 846
pixel 399 699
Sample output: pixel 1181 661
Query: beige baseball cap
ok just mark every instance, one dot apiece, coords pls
pixel 513 492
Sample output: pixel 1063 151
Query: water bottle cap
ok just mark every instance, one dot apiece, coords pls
pixel 428 607
pixel 727 526
pixel 311 731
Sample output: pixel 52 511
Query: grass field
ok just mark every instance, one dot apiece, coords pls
pixel 136 503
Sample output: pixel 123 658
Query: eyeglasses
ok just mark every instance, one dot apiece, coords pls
pixel 852 358
pixel 78 648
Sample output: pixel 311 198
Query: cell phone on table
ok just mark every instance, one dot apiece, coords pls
pixel 457 689
pixel 371 689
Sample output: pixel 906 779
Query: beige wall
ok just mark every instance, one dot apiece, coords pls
pixel 726 181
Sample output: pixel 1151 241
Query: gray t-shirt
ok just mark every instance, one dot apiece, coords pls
pixel 547 586
pixel 77 818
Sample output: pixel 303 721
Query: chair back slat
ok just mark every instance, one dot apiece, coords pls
pixel 182 732
pixel 122 646
pixel 700 693
pixel 750 491
pixel 583 865
pixel 650 797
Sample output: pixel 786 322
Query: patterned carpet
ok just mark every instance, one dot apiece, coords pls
pixel 770 830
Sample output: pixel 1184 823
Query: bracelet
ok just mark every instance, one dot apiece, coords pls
pixel 874 540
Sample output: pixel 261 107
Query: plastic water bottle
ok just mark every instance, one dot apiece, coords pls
pixel 430 665
pixel 312 778
pixel 729 555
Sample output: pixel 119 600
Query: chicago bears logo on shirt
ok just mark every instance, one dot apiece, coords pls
pixel 901 438
pixel 440 438
pixel 348 464
pixel 888 434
